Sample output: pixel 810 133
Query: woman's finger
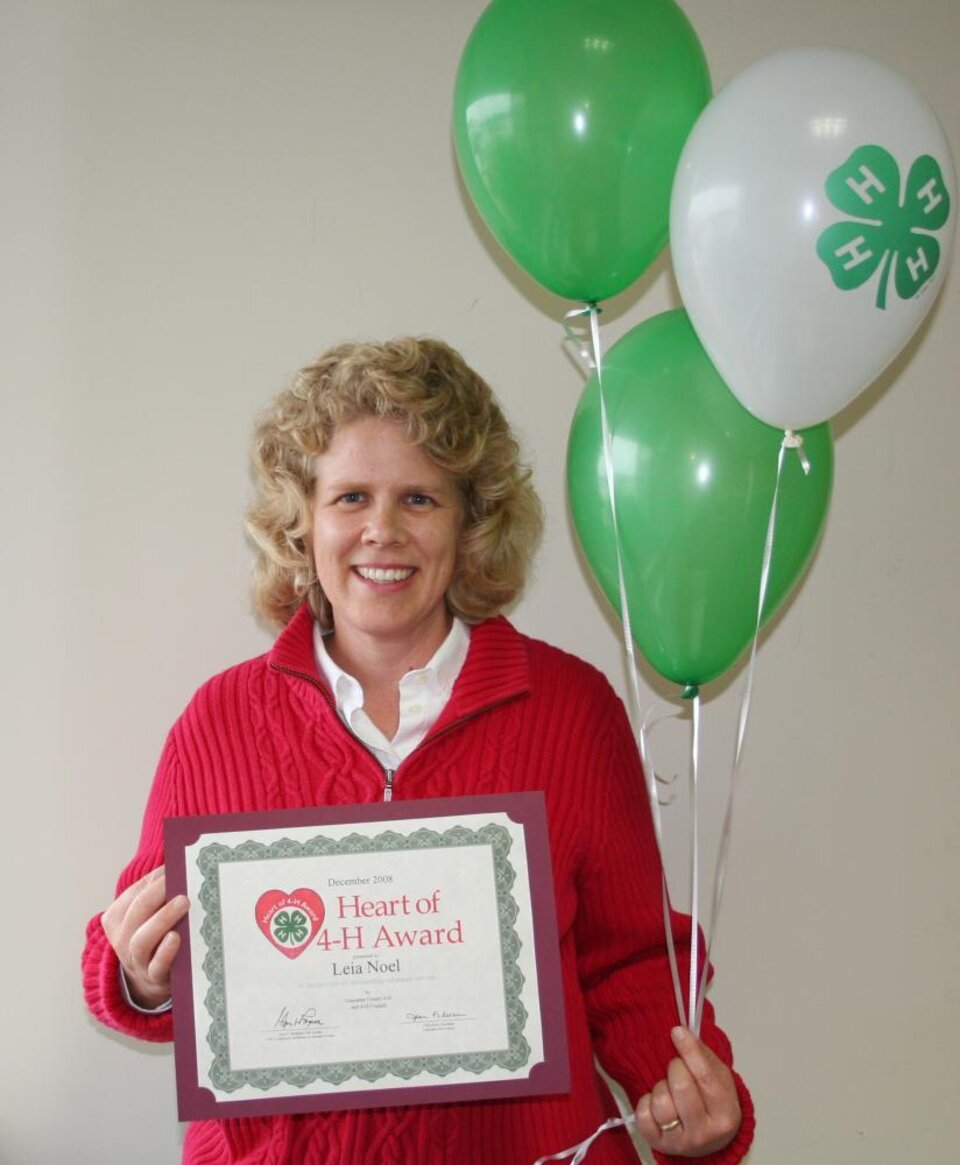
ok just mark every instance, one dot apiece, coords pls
pixel 655 1124
pixel 146 939
pixel 686 1098
pixel 160 965
pixel 646 1123
pixel 114 916
pixel 662 1108
pixel 713 1078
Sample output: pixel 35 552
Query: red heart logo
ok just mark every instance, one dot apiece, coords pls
pixel 290 921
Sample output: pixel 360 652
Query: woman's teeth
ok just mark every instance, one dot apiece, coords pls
pixel 382 575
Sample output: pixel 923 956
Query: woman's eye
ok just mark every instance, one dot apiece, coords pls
pixel 351 498
pixel 420 500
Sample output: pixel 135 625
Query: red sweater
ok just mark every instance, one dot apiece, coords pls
pixel 522 716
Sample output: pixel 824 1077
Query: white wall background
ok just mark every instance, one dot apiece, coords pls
pixel 199 195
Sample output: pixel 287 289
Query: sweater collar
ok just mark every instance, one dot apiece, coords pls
pixel 497 666
pixel 293 649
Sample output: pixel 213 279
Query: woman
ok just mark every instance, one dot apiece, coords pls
pixel 393 523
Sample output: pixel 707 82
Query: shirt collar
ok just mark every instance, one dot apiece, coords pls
pixel 497 668
pixel 441 669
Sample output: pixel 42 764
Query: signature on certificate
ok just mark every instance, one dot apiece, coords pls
pixel 306 1019
pixel 436 1017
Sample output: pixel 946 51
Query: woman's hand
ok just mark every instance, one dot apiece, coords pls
pixel 139 927
pixel 695 1111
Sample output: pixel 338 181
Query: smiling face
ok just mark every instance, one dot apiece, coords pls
pixel 386 523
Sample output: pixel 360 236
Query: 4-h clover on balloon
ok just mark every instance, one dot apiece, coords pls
pixel 883 230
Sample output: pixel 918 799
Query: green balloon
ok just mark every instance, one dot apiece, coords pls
pixel 694 477
pixel 569 119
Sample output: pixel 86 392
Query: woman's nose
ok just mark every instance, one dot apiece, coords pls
pixel 384 526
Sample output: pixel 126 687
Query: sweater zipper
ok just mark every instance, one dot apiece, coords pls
pixel 388 774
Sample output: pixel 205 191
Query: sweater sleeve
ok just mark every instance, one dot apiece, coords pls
pixel 622 953
pixel 101 967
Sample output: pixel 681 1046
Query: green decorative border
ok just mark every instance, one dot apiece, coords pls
pixel 227 1079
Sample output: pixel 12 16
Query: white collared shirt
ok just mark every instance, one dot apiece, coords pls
pixel 423 695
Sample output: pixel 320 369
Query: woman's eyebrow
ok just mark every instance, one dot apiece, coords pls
pixel 346 484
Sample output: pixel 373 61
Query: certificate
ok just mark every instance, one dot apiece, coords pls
pixel 366 955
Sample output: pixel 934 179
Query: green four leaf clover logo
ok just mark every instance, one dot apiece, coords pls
pixel 290 927
pixel 884 231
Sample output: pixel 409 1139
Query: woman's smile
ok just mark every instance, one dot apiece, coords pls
pixel 384 574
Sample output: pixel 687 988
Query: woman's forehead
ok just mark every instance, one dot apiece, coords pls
pixel 377 447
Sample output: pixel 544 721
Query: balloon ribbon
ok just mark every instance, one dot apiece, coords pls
pixel 794 441
pixel 578 1152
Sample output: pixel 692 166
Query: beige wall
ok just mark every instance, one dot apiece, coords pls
pixel 198 195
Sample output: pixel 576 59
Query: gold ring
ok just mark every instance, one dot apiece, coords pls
pixel 668 1128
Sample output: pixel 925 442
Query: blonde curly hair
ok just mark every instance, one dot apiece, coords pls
pixel 446 408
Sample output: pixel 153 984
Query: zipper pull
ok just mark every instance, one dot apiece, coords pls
pixel 388 776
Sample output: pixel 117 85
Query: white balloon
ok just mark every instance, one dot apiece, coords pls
pixel 799 314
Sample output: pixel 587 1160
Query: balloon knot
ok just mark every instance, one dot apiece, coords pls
pixel 792 440
pixel 690 692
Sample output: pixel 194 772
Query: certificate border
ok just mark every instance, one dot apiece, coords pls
pixel 195 1101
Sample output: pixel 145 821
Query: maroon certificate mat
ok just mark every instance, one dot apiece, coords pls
pixel 356 956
